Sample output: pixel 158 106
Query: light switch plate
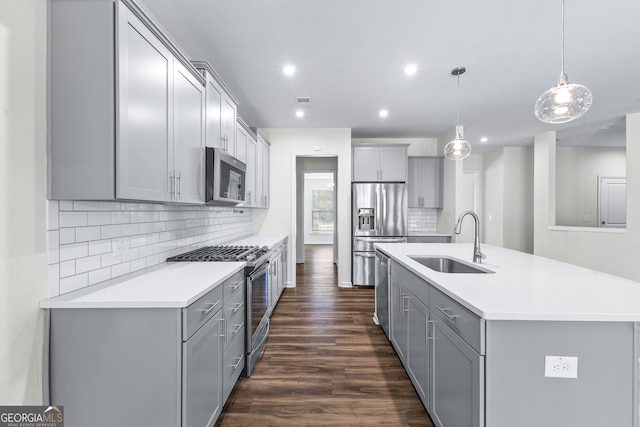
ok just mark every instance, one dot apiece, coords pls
pixel 561 366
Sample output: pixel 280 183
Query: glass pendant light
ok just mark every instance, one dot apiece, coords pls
pixel 457 149
pixel 565 101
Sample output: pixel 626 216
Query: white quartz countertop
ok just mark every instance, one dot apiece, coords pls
pixel 170 285
pixel 524 286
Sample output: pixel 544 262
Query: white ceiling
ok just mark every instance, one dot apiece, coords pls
pixel 350 56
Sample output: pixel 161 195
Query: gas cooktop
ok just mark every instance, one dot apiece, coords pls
pixel 222 253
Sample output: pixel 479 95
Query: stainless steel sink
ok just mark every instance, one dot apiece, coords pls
pixel 449 265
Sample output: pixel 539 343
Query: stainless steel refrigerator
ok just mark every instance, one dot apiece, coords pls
pixel 379 215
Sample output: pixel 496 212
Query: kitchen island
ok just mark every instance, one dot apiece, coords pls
pixel 532 342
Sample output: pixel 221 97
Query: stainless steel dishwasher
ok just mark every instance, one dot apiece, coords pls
pixel 382 291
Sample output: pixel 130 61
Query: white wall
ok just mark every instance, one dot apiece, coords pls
pixel 286 144
pixel 315 181
pixel 453 187
pixel 23 245
pixel 610 251
pixel 577 170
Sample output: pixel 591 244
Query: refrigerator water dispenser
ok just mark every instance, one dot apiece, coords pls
pixel 366 220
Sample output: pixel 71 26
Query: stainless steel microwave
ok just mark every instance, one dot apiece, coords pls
pixel 225 178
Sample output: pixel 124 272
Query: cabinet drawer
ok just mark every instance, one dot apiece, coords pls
pixel 234 318
pixel 233 285
pixel 233 364
pixel 463 322
pixel 197 314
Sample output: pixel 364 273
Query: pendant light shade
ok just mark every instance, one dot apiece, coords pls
pixel 459 148
pixel 565 101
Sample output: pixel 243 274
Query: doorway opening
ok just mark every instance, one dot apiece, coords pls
pixel 316 207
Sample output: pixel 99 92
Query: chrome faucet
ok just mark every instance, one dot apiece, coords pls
pixel 478 256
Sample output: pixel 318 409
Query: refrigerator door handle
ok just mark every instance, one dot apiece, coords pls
pixel 365 254
pixel 381 239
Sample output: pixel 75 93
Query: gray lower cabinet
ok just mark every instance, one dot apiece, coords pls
pixel 168 367
pixel 429 333
pixel 132 128
pixel 277 274
pixel 458 377
pixel 234 359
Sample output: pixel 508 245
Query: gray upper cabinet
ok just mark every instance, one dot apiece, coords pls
pixel 221 111
pixel 188 130
pixel 262 171
pixel 247 139
pixel 132 128
pixel 379 163
pixel 425 182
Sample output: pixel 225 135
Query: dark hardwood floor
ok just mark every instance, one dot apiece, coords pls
pixel 325 362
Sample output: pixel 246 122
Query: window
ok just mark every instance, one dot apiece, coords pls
pixel 322 211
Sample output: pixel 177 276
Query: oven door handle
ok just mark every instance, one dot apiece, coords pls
pixel 263 268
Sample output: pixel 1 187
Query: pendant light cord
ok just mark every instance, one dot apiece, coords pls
pixel 562 51
pixel 458 109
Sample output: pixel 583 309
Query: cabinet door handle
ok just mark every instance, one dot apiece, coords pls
pixel 237 329
pixel 405 307
pixel 211 307
pixel 237 364
pixel 237 285
pixel 237 307
pixel 178 185
pixel 445 311
pixel 430 336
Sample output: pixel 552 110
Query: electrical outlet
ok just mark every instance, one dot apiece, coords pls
pixel 561 367
pixel 119 247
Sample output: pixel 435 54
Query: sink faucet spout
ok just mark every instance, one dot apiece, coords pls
pixel 478 256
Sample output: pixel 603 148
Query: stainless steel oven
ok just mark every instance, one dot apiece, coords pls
pixel 257 312
pixel 257 291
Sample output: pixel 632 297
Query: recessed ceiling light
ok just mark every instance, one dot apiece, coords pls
pixel 299 113
pixel 383 113
pixel 289 70
pixel 484 139
pixel 410 69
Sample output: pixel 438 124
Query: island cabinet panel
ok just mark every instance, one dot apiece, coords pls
pixel 601 395
pixel 457 379
pixel 410 328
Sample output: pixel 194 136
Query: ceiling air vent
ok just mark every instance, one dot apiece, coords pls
pixel 303 101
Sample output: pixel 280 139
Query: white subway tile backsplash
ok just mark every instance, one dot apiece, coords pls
pixel 88 263
pixel 67 235
pixel 98 218
pixel 86 206
pixel 67 268
pixel 53 244
pixel 120 217
pixel 73 251
pixel 100 247
pixel 121 269
pixel 110 231
pixel 83 235
pixel 73 283
pixel 66 205
pixel 73 219
pixel 97 276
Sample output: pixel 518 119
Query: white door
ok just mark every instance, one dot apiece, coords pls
pixel 612 202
